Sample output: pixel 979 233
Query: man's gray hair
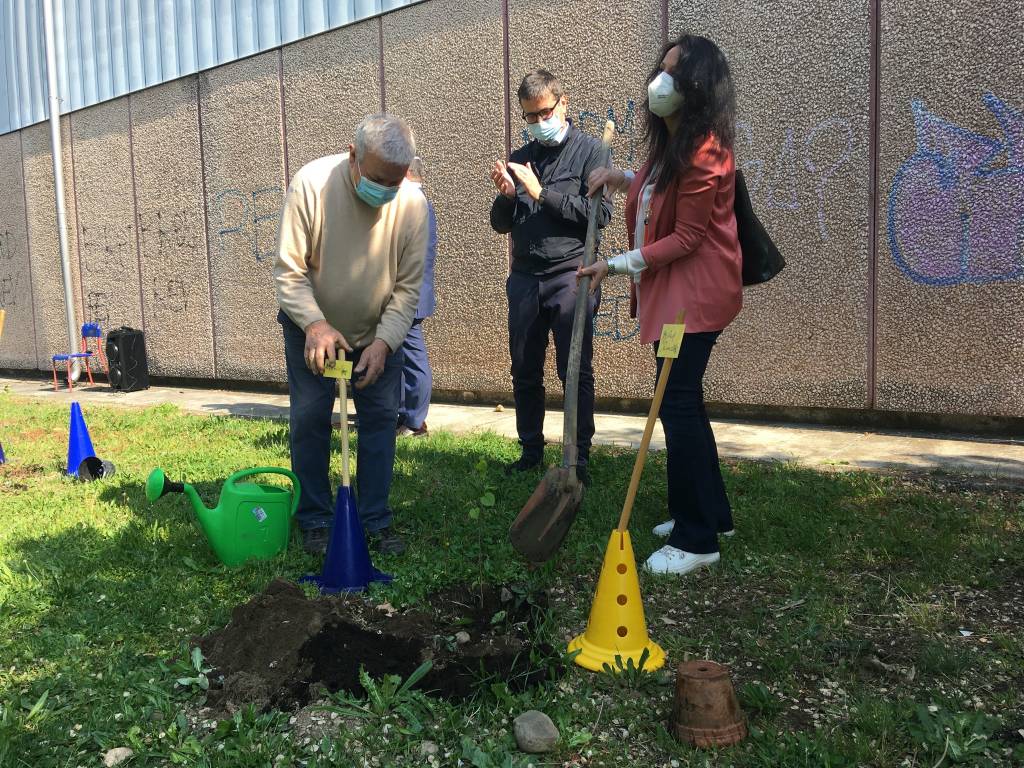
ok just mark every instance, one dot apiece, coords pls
pixel 388 137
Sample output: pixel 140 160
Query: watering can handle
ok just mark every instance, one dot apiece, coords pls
pixel 296 486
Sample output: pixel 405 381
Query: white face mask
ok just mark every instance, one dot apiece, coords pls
pixel 662 96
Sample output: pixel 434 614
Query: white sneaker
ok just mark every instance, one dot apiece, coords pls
pixel 676 561
pixel 665 529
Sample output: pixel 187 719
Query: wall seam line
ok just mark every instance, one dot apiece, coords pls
pixel 507 74
pixel 78 223
pixel 206 220
pixel 284 118
pixel 28 243
pixel 874 77
pixel 383 85
pixel 507 66
pixel 136 219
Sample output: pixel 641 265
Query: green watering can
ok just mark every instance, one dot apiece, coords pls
pixel 251 520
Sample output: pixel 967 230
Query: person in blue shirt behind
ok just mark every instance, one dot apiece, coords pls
pixel 417 377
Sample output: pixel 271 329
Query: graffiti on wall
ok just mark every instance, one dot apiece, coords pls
pixel 778 179
pixel 956 207
pixel 8 282
pixel 168 237
pixel 248 220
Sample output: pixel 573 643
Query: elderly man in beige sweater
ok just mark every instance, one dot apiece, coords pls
pixel 348 268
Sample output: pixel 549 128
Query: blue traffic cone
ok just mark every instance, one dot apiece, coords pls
pixel 82 460
pixel 347 566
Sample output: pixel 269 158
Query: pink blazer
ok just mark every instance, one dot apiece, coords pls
pixel 690 246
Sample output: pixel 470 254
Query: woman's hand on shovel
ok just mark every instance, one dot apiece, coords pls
pixel 597 272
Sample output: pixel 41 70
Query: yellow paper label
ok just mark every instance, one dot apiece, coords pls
pixel 338 369
pixel 671 340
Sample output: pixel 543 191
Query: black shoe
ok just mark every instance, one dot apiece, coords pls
pixel 524 464
pixel 387 542
pixel 314 540
pixel 583 475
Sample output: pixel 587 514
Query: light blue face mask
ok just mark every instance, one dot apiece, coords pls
pixel 372 193
pixel 545 131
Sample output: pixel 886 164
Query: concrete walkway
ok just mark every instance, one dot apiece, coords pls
pixel 815 447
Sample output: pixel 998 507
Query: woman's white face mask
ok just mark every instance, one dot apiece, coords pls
pixel 662 96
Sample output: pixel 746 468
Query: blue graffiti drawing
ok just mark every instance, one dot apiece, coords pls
pixel 248 220
pixel 612 320
pixel 956 207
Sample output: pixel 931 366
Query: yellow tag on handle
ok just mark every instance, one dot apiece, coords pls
pixel 671 340
pixel 338 369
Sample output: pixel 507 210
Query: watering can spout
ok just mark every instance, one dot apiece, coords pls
pixel 159 485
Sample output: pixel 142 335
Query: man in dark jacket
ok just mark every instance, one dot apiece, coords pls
pixel 543 204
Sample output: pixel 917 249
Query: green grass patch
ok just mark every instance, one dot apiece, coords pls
pixel 868 620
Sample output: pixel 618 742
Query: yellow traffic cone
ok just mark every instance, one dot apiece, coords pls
pixel 617 626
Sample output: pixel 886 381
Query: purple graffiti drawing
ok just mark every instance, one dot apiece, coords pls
pixel 956 208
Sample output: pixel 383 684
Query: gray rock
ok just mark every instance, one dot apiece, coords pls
pixel 117 756
pixel 535 733
pixel 428 749
pixel 462 637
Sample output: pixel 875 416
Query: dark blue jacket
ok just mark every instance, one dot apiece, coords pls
pixel 427 298
pixel 548 237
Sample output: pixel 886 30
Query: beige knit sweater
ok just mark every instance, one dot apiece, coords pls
pixel 341 260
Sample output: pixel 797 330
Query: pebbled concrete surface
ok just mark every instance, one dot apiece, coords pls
pixel 817 448
pixel 804 141
pixel 957 347
pixel 47 284
pixel 18 337
pixel 331 82
pixel 172 229
pixel 443 66
pixel 107 229
pixel 240 106
pixel 801 72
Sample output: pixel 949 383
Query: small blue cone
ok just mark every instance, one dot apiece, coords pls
pixel 347 566
pixel 82 460
pixel 3 459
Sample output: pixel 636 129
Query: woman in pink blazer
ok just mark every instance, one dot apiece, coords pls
pixel 686 256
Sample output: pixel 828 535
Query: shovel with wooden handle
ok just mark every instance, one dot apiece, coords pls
pixel 545 519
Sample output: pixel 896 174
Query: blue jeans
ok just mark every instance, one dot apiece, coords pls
pixel 417 379
pixel 697 499
pixel 311 405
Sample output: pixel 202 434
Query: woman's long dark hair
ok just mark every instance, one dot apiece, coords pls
pixel 702 76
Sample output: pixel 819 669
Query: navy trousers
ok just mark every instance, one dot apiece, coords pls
pixel 539 306
pixel 696 492
pixel 417 379
pixel 312 400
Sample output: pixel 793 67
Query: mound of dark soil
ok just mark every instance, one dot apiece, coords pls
pixel 281 646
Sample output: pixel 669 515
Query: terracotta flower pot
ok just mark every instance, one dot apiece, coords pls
pixel 706 712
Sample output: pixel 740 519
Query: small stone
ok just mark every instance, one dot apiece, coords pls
pixel 428 749
pixel 535 733
pixel 499 408
pixel 117 756
pixel 462 637
pixel 506 595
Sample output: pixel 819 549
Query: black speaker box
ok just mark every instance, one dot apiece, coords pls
pixel 126 356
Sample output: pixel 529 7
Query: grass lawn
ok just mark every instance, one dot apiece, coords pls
pixel 869 621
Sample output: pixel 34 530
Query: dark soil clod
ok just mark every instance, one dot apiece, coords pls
pixel 281 647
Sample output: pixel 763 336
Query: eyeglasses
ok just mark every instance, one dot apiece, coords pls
pixel 543 114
